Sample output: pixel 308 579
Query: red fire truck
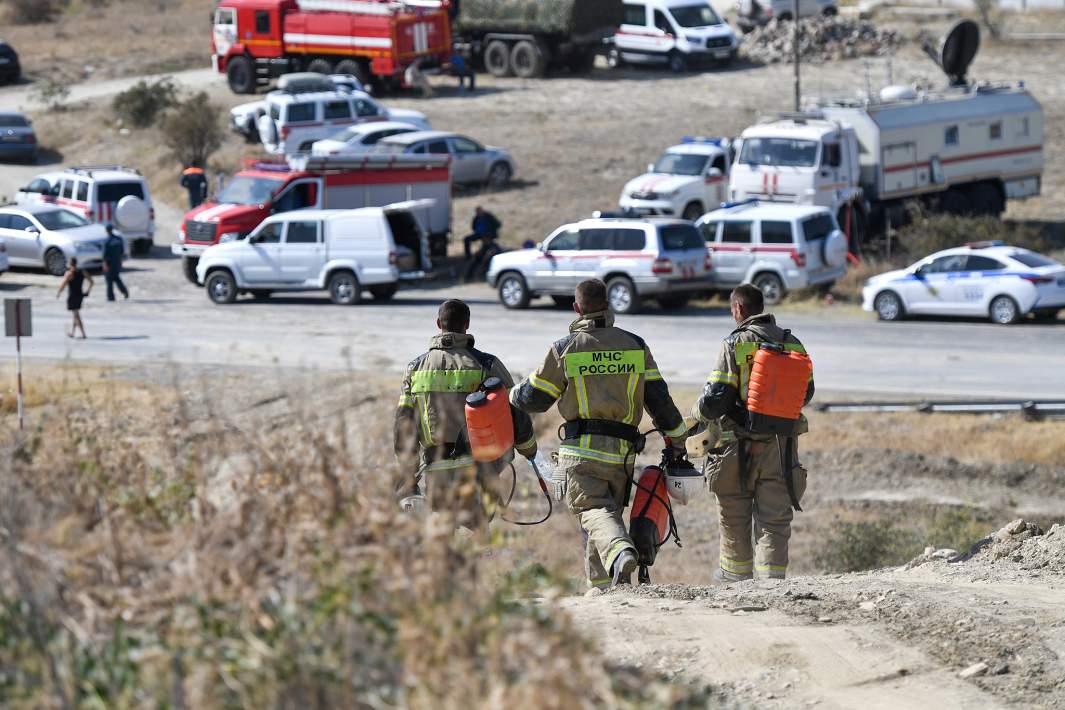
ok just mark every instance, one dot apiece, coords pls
pixel 266 188
pixel 376 40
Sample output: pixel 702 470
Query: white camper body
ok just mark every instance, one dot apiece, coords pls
pixel 972 147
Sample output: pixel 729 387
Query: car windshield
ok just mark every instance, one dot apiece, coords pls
pixel 1033 260
pixel 779 151
pixel 681 164
pixel 695 16
pixel 247 190
pixel 12 121
pixel 58 220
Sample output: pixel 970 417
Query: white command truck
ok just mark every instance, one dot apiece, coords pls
pixel 962 150
pixel 688 181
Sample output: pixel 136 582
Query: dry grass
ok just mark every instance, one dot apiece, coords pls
pixel 970 439
pixel 232 557
pixel 119 38
pixel 48 385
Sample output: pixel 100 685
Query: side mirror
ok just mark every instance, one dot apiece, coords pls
pixel 32 231
pixel 714 172
pixel 650 167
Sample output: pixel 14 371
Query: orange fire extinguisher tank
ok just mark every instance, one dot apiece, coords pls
pixel 649 517
pixel 488 421
pixel 777 389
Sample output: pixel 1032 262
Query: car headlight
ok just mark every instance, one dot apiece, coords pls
pixel 229 237
pixel 181 235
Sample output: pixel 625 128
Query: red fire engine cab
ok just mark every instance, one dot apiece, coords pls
pixel 375 40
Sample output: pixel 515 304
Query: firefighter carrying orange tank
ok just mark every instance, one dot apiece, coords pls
pixel 755 473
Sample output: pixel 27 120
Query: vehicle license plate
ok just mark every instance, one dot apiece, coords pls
pixel 721 54
pixel 12 139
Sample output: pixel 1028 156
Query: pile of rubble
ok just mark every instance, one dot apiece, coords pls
pixel 1026 545
pixel 820 39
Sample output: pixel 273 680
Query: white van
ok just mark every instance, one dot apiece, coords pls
pixel 342 251
pixel 678 33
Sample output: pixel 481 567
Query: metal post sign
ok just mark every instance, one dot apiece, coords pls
pixel 18 318
pixel 18 324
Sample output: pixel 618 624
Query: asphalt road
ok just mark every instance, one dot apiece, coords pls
pixel 170 321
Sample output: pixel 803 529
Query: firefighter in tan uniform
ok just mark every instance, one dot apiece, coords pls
pixel 602 379
pixel 747 473
pixel 430 424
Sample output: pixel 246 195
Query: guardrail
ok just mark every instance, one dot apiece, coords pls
pixel 1031 409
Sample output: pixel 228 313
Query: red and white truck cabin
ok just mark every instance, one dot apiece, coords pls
pixel 375 40
pixel 266 188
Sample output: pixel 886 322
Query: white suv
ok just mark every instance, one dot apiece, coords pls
pixel 342 251
pixel 293 122
pixel 663 259
pixel 103 194
pixel 687 181
pixel 776 247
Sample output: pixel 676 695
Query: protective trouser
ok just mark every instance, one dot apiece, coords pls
pixel 747 478
pixel 468 492
pixel 595 494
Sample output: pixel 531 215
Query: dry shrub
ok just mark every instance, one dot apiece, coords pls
pixel 849 287
pixel 200 563
pixel 932 232
pixel 32 12
pixel 192 130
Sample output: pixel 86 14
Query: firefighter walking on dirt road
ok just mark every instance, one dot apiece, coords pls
pixel 754 474
pixel 602 378
pixel 194 180
pixel 430 435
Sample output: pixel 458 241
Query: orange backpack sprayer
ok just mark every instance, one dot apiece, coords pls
pixel 488 421
pixel 776 394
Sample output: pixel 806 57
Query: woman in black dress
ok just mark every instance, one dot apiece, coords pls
pixel 75 279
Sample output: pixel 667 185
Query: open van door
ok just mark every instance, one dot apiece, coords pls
pixel 409 222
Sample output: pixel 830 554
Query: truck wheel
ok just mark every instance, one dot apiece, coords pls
pixel 240 75
pixel 221 287
pixel 497 58
pixel 359 70
pixel 677 63
pixel 771 286
pixel 986 199
pixel 622 295
pixel 955 202
pixel 1004 311
pixel 344 288
pixel 693 211
pixel 384 292
pixel 320 66
pixel 188 267
pixel 513 291
pixel 528 60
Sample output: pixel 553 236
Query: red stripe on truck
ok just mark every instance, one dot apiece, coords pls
pixel 965 158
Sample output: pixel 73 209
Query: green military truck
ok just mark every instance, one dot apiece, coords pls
pixel 527 38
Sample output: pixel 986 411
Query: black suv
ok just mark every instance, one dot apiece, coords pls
pixel 10 71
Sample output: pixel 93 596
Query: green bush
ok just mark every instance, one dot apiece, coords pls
pixel 140 105
pixel 862 545
pixel 193 129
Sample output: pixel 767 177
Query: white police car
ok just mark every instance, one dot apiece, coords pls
pixel 985 279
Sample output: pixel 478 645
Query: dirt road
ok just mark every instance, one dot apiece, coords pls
pixel 23 97
pixel 889 639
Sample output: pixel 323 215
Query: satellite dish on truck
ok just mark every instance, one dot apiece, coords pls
pixel 957 51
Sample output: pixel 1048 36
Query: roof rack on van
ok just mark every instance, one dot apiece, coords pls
pixel 90 169
pixel 741 203
pixel 369 161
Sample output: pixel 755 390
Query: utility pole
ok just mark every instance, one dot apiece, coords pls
pixel 795 52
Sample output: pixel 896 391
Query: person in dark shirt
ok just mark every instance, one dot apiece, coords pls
pixel 114 252
pixel 485 227
pixel 194 180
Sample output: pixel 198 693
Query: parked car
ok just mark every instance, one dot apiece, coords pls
pixel 678 33
pixel 341 251
pixel 656 258
pixel 776 247
pixel 17 138
pixel 360 138
pixel 686 181
pixel 10 69
pixel 981 280
pixel 243 118
pixel 471 162
pixel 755 13
pixel 294 121
pixel 103 194
pixel 47 236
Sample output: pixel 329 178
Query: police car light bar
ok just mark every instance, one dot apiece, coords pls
pixel 702 139
pixel 741 203
pixel 986 244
